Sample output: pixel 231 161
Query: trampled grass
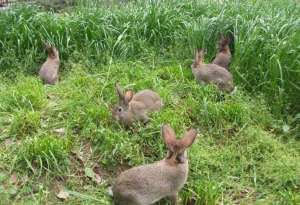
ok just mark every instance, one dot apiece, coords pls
pixel 53 136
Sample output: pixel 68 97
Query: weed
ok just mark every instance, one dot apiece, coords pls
pixel 24 124
pixel 27 94
pixel 43 152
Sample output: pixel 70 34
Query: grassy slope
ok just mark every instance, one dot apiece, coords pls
pixel 240 157
pixel 266 38
pixel 237 158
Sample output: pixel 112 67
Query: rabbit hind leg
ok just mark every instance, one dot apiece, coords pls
pixel 173 198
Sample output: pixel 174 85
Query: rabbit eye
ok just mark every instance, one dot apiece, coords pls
pixel 120 109
pixel 180 158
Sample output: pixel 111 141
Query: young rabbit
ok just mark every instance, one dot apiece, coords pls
pixel 211 73
pixel 147 184
pixel 49 70
pixel 223 56
pixel 132 107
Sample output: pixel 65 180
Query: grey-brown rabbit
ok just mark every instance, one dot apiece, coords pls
pixel 135 107
pixel 49 70
pixel 147 184
pixel 211 73
pixel 223 57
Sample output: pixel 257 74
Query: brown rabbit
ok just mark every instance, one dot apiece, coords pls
pixel 223 56
pixel 211 73
pixel 49 70
pixel 147 184
pixel 132 107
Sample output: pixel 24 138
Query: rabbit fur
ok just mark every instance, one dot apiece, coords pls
pixel 147 184
pixel 132 107
pixel 211 73
pixel 223 57
pixel 49 70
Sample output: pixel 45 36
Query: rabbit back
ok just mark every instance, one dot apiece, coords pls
pixel 223 60
pixel 147 184
pixel 149 99
pixel 211 73
pixel 49 72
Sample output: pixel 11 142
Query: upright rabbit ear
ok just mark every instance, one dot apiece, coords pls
pixel 222 37
pixel 189 138
pixel 200 57
pixel 46 44
pixel 119 91
pixel 224 40
pixel 169 136
pixel 196 54
pixel 51 50
pixel 47 47
pixel 128 96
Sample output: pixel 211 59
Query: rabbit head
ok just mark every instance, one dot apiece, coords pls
pixel 120 111
pixel 51 50
pixel 177 147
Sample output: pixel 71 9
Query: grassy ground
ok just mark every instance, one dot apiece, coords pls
pixel 63 137
pixel 266 38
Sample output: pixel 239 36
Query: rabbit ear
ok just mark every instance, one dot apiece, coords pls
pixel 202 51
pixel 119 91
pixel 128 96
pixel 222 37
pixel 200 56
pixel 228 39
pixel 223 43
pixel 46 45
pixel 51 50
pixel 169 136
pixel 225 39
pixel 196 54
pixel 189 138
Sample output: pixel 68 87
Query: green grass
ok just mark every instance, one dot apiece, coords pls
pixel 52 136
pixel 266 51
pixel 240 156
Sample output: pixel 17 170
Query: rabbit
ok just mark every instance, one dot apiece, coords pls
pixel 132 107
pixel 211 73
pixel 147 184
pixel 223 57
pixel 49 70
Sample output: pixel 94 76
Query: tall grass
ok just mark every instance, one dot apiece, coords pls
pixel 266 47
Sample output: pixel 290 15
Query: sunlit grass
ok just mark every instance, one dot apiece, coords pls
pixel 266 52
pixel 248 148
pixel 236 156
